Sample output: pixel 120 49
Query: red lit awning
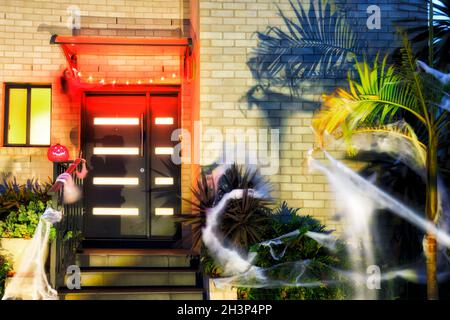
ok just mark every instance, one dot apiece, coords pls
pixel 75 47
pixel 121 45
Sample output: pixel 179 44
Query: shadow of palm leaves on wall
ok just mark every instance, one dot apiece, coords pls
pixel 316 43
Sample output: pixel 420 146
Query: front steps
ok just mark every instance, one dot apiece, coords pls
pixel 150 258
pixel 122 277
pixel 136 274
pixel 134 293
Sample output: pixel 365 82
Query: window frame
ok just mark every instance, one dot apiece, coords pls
pixel 6 111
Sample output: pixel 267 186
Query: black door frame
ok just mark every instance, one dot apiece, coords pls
pixel 148 91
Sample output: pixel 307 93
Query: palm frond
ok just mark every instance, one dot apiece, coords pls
pixel 398 140
pixel 375 97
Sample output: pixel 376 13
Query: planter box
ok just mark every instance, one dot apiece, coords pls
pixel 15 248
pixel 221 294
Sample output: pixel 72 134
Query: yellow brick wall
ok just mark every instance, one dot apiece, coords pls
pixel 228 41
pixel 27 56
pixel 227 34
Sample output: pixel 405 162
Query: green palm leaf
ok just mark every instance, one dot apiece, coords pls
pixel 374 98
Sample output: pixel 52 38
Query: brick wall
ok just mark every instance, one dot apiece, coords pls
pixel 228 41
pixel 27 56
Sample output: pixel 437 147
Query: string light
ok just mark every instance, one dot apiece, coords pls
pixel 127 82
pixel 90 78
pixel 173 75
pixel 139 82
pixel 162 78
pixel 102 81
pixel 114 82
pixel 151 81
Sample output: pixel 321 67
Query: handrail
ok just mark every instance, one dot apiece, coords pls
pixel 64 247
pixel 58 184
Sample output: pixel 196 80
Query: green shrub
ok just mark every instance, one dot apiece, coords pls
pixel 248 221
pixel 208 265
pixel 5 268
pixel 300 248
pixel 22 223
pixel 13 194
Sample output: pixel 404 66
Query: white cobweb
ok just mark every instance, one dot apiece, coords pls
pixel 30 281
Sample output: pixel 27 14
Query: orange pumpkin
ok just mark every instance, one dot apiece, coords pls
pixel 58 153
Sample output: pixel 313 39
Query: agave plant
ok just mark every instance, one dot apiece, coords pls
pixel 204 194
pixel 317 42
pixel 382 94
pixel 244 219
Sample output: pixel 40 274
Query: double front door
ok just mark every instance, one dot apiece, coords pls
pixel 133 186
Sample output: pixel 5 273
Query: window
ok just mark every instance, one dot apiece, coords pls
pixel 27 114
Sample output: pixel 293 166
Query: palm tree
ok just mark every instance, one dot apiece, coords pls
pixel 380 95
pixel 430 35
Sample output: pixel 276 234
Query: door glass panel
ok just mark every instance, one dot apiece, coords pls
pixel 163 181
pixel 115 211
pixel 116 121
pixel 116 151
pixel 116 181
pixel 163 121
pixel 163 150
pixel 164 211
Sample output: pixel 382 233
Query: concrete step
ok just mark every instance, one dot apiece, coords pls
pixel 133 293
pixel 154 258
pixel 122 277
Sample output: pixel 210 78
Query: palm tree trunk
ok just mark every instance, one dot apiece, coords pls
pixel 431 210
